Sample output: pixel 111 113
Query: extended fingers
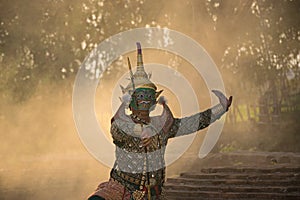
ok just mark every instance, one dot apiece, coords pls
pixel 226 103
pixel 219 94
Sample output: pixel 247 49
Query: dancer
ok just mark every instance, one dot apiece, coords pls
pixel 140 140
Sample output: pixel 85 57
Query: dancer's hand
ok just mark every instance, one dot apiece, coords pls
pixel 226 103
pixel 146 137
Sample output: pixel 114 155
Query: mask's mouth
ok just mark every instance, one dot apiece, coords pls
pixel 145 102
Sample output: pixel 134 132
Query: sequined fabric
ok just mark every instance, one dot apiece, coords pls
pixel 129 172
pixel 112 190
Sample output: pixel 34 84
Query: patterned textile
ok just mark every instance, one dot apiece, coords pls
pixel 136 167
pixel 112 190
pixel 196 122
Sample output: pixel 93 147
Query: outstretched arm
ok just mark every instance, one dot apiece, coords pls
pixel 200 120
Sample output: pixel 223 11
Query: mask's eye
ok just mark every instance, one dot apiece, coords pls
pixel 141 96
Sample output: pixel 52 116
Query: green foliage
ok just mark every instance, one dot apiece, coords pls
pixel 266 59
pixel 44 42
pixel 227 148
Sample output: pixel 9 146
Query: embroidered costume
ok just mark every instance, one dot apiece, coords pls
pixel 140 140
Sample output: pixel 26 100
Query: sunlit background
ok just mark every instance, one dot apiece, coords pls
pixel 255 44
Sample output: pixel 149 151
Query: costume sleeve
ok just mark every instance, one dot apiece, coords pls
pixel 191 124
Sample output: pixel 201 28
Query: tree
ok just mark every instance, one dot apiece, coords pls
pixel 263 59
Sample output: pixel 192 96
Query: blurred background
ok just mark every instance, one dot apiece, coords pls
pixel 255 44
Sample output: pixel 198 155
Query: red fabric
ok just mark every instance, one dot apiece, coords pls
pixel 112 190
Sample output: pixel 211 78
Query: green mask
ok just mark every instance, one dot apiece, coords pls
pixel 143 99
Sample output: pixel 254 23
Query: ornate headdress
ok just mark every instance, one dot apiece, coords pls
pixel 140 79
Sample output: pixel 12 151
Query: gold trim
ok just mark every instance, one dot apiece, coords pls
pixel 148 85
pixel 138 195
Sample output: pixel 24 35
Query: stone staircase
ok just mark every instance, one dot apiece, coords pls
pixel 269 182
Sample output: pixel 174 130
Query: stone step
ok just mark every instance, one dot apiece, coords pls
pixel 230 188
pixel 247 176
pixel 251 170
pixel 254 182
pixel 180 194
pixel 216 183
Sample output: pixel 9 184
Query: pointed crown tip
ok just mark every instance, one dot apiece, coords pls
pixel 139 48
pixel 138 44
